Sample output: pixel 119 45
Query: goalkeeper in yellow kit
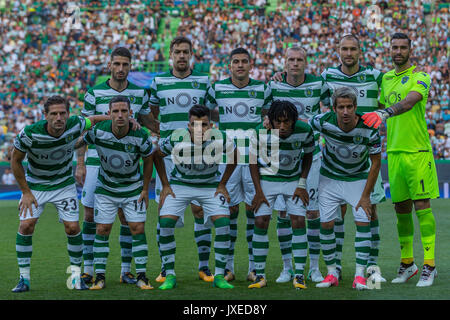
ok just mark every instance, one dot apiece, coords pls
pixel 412 171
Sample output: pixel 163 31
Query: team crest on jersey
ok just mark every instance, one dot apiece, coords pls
pixel 358 139
pixel 69 138
pixel 252 94
pixel 405 79
pixel 308 93
pixel 296 145
pixel 195 84
pixel 129 148
pixel 361 78
pixel 132 99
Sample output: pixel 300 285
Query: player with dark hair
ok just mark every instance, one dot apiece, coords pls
pixel 412 171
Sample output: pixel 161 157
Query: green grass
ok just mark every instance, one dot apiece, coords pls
pixel 50 260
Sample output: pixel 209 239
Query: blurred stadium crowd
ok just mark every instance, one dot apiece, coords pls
pixel 42 56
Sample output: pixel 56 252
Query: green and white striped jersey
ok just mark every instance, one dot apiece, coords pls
pixel 197 165
pixel 119 175
pixel 346 154
pixel 290 150
pixel 175 97
pixel 366 83
pixel 96 101
pixel 239 108
pixel 306 97
pixel 50 158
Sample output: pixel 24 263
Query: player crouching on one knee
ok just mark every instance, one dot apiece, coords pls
pixel 285 177
pixel 346 175
pixel 196 178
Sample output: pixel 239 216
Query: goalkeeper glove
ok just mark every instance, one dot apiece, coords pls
pixel 374 119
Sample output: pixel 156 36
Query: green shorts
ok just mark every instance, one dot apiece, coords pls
pixel 412 176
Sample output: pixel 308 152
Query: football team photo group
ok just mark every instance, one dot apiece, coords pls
pixel 299 154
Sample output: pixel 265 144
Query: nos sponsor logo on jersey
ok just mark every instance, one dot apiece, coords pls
pixel 240 109
pixel 405 79
pixel 183 100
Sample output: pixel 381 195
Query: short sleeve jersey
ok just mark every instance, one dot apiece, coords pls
pixel 288 165
pixel 346 154
pixel 119 175
pixel 50 158
pixel 96 101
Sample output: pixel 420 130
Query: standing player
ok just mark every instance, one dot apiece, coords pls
pixel 96 101
pixel 49 145
pixel 365 81
pixel 412 172
pixel 346 175
pixel 288 180
pixel 172 95
pixel 305 91
pixel 197 178
pixel 120 185
pixel 241 102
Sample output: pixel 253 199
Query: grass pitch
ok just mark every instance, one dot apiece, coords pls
pixel 50 261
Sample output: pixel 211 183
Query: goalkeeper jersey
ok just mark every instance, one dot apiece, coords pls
pixel 408 131
pixel 365 82
pixel 50 158
pixel 96 101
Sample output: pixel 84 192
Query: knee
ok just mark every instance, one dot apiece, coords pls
pixel 72 229
pixel 26 227
pixel 88 214
pixel 103 229
pixel 298 222
pixel 312 215
pixel 327 225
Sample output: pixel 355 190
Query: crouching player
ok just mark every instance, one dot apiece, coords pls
pixel 120 185
pixel 287 179
pixel 49 145
pixel 196 153
pixel 346 176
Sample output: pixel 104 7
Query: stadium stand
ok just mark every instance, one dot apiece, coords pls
pixel 41 55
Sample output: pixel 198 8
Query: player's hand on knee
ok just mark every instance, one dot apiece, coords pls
pixel 365 204
pixel 301 194
pixel 144 197
pixel 80 174
pixel 258 200
pixel 223 190
pixel 26 203
pixel 166 190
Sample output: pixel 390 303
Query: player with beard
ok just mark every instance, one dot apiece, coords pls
pixel 172 95
pixel 412 171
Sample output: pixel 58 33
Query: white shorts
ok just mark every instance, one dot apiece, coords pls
pixel 212 205
pixel 286 190
pixel 332 193
pixel 90 183
pixel 378 196
pixel 240 185
pixel 65 201
pixel 106 208
pixel 312 184
pixel 168 164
